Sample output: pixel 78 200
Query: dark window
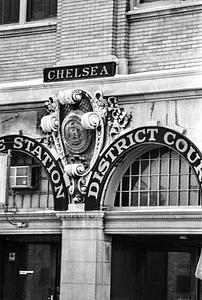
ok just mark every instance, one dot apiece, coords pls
pixel 41 9
pixel 160 177
pixel 9 11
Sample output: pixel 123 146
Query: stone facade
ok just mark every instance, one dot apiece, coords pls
pixel 158 55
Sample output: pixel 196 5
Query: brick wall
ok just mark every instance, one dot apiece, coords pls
pixel 157 40
pixel 85 29
pixel 24 54
pixel 169 40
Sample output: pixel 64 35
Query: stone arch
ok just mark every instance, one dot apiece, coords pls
pixel 31 147
pixel 139 139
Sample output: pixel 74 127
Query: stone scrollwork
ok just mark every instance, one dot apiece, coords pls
pixel 117 117
pixel 75 124
pixel 75 169
pixel 70 96
pixel 90 120
pixel 50 123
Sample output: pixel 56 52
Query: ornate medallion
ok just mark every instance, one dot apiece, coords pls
pixel 76 138
pixel 74 126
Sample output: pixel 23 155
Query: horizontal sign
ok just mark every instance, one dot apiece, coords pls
pixel 79 72
pixel 25 272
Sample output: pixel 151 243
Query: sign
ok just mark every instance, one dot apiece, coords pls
pixel 79 72
pixel 131 140
pixel 25 272
pixel 43 155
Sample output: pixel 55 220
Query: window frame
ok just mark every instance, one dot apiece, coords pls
pixel 23 22
pixel 163 161
pixel 159 4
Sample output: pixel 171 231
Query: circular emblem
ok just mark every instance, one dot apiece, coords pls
pixel 76 138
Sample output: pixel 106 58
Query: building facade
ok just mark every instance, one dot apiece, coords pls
pixel 100 149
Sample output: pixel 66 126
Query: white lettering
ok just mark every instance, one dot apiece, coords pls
pixel 2 145
pixel 93 190
pixel 49 75
pixel 97 176
pixel 59 191
pixel 60 74
pixel 51 167
pixel 198 170
pixel 18 143
pixel 29 144
pixel 76 73
pixel 46 159
pixel 190 155
pixel 131 140
pixel 167 137
pixel 69 73
pixel 181 145
pixel 120 146
pixel 138 139
pixel 110 154
pixel 103 166
pixel 37 152
pixel 152 132
pixel 104 71
pixel 55 176
pixel 86 71
pixel 94 71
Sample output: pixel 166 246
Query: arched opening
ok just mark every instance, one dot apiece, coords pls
pixel 28 186
pixel 43 156
pixel 159 177
pixel 180 186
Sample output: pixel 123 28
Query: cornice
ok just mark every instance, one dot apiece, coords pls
pixel 182 221
pixel 22 106
pixel 158 97
pixel 36 223
pixel 121 85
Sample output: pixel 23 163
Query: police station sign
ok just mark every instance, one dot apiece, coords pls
pixel 130 141
pixel 86 71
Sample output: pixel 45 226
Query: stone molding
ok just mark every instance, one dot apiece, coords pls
pixel 82 220
pixel 119 85
pixel 37 223
pixel 182 221
pixel 8 31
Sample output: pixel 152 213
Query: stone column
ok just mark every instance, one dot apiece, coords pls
pixel 86 257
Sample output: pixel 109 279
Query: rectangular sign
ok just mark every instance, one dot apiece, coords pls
pixel 25 272
pixel 87 71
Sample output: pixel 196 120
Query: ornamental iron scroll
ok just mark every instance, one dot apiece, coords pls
pixel 75 125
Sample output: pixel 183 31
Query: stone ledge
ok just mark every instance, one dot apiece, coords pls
pixel 120 85
pixel 27 28
pixel 154 221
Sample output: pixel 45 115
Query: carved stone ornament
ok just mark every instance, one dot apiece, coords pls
pixel 74 126
pixel 76 138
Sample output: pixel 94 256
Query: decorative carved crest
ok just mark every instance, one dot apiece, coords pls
pixel 75 126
